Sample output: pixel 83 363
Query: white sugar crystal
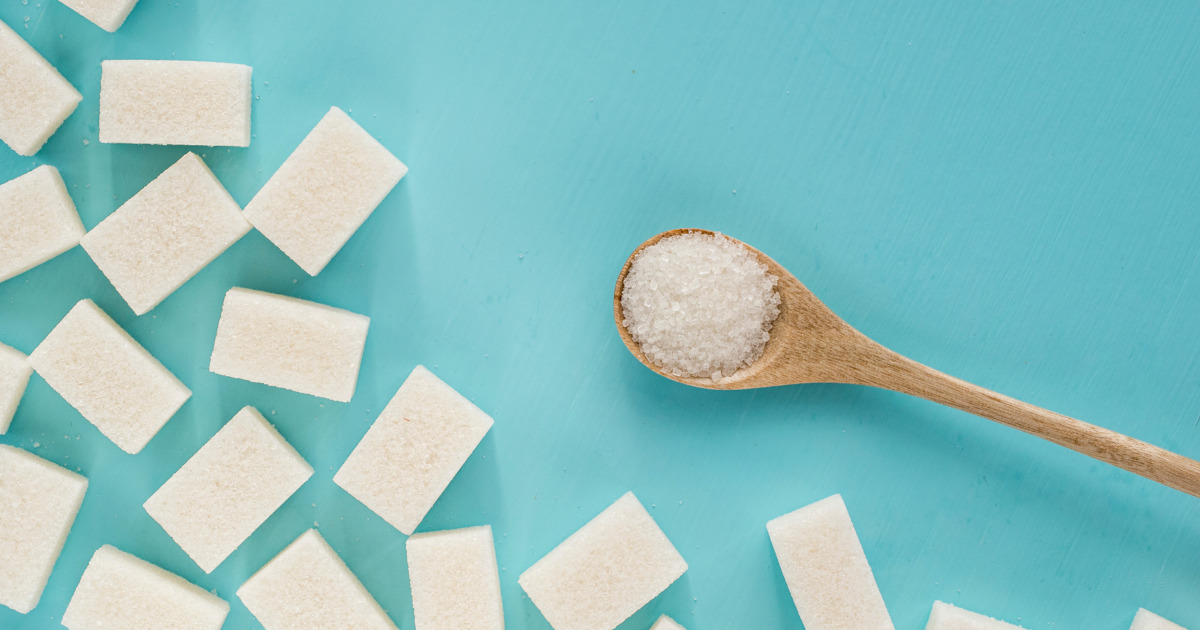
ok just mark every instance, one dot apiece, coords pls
pixel 1146 620
pixel 107 14
pixel 826 570
pixel 38 503
pixel 947 617
pixel 324 191
pixel 119 590
pixel 14 376
pixel 308 586
pixel 175 102
pixel 37 220
pixel 604 572
pixel 228 488
pixel 455 582
pixel 699 305
pixel 666 623
pixel 166 233
pixel 111 380
pixel 413 450
pixel 285 342
pixel 34 98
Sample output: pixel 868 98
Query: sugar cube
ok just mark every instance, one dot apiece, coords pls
pixel 38 503
pixel 104 374
pixel 826 569
pixel 166 233
pixel 324 191
pixel 285 342
pixel 455 582
pixel 119 590
pixel 228 488
pixel 107 14
pixel 604 572
pixel 175 102
pixel 34 98
pixel 37 220
pixel 308 586
pixel 947 617
pixel 1146 620
pixel 14 376
pixel 666 623
pixel 413 450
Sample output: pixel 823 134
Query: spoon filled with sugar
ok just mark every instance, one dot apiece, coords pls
pixel 710 311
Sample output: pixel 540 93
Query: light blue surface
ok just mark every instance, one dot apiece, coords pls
pixel 1009 192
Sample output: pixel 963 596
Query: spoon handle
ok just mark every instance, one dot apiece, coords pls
pixel 898 373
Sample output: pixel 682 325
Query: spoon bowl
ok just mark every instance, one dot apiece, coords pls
pixel 809 343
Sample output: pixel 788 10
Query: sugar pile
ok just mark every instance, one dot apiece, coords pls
pixel 699 305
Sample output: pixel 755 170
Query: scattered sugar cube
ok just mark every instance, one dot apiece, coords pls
pixel 106 376
pixel 413 450
pixel 826 570
pixel 166 233
pixel 228 488
pixel 34 98
pixel 324 191
pixel 14 376
pixel 947 617
pixel 37 220
pixel 107 14
pixel 666 623
pixel 604 572
pixel 38 503
pixel 175 102
pixel 1146 620
pixel 119 590
pixel 308 586
pixel 455 582
pixel 285 342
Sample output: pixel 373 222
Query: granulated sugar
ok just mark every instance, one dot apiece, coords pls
pixel 699 305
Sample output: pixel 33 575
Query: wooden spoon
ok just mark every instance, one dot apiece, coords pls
pixel 810 344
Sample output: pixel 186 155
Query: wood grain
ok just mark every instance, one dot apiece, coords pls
pixel 809 343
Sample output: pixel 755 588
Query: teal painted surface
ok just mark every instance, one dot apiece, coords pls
pixel 1005 191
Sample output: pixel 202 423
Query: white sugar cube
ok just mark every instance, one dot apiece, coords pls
pixel 826 570
pixel 228 488
pixel 285 342
pixel 666 623
pixel 106 376
pixel 166 233
pixel 175 102
pixel 947 617
pixel 14 376
pixel 107 14
pixel 1146 620
pixel 604 572
pixel 413 450
pixel 308 586
pixel 38 503
pixel 455 582
pixel 324 191
pixel 119 590
pixel 37 220
pixel 34 98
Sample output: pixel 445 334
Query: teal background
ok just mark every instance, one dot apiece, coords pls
pixel 1007 191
